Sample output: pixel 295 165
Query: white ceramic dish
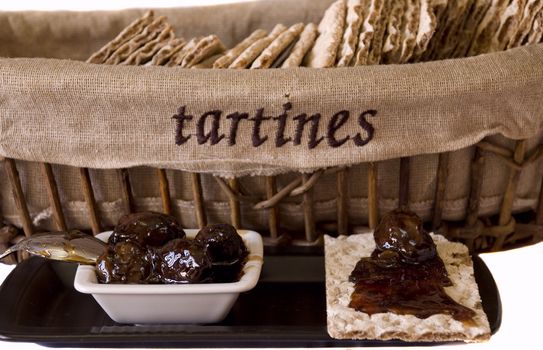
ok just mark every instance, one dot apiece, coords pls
pixel 172 303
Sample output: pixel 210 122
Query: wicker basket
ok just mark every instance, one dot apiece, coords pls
pixel 291 208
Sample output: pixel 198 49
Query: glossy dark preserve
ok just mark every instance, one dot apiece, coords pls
pixel 226 250
pixel 147 229
pixel 152 248
pixel 404 275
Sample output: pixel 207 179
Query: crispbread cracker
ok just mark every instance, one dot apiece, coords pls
pixel 391 48
pixel 531 9
pixel 509 23
pixel 324 52
pixel 208 46
pixel 410 26
pixel 147 51
pixel 487 28
pixel 476 14
pixel 268 56
pixel 353 23
pixel 177 58
pixel 376 48
pixel 303 45
pixel 427 27
pixel 167 51
pixel 126 35
pixel 452 29
pixel 537 30
pixel 341 256
pixel 251 53
pixel 371 19
pixel 445 18
pixel 208 62
pixel 148 34
pixel 232 54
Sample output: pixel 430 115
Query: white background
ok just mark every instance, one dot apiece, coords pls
pixel 518 273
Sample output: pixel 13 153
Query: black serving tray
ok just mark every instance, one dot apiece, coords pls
pixel 286 309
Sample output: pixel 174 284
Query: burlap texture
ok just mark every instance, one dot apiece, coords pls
pixel 105 117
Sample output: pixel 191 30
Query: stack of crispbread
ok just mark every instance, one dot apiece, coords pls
pixel 151 41
pixel 351 33
pixel 344 322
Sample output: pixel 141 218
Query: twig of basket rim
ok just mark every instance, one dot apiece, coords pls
pixel 510 192
pixel 164 187
pixel 477 168
pixel 273 212
pixel 342 202
pixel 126 190
pixel 373 196
pixel 441 182
pixel 404 182
pixel 88 193
pixel 309 217
pixel 198 198
pixel 268 203
pixel 497 149
pixel 54 199
pixel 506 155
pixel 306 186
pixel 18 196
pixel 235 212
pixel 539 212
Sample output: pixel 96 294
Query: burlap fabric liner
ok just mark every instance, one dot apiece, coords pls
pixel 78 114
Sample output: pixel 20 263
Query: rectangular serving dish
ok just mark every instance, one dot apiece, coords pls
pixel 172 303
pixel 287 308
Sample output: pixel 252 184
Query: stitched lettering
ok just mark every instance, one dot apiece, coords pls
pixel 359 140
pixel 337 121
pixel 208 127
pixel 280 139
pixel 180 117
pixel 236 117
pixel 213 134
pixel 302 120
pixel 258 119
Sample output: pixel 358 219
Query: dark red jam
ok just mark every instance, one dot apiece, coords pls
pixel 404 275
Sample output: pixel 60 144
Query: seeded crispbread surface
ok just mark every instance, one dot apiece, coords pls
pixel 341 256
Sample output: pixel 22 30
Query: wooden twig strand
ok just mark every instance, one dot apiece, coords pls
pixel 404 183
pixel 441 182
pixel 309 218
pixel 539 213
pixel 235 215
pixel 490 147
pixel 54 199
pixel 476 187
pixel 18 196
pixel 510 192
pixel 273 212
pixel 164 187
pixel 341 202
pixel 198 198
pixel 126 190
pixel 282 193
pixel 88 193
pixel 308 185
pixel 477 167
pixel 373 209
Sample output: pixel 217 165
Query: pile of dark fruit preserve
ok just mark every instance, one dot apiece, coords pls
pixel 404 274
pixel 151 247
